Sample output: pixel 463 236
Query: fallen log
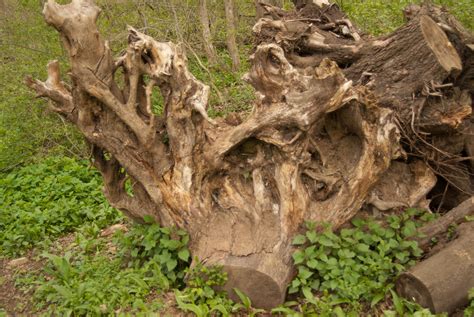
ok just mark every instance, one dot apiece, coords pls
pixel 442 224
pixel 442 282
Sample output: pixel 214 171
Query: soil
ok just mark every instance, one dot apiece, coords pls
pixel 16 301
pixel 13 300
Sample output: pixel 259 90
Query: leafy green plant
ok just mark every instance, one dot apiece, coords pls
pixel 200 296
pixel 469 311
pixel 404 307
pixel 95 284
pixel 42 201
pixel 165 246
pixel 246 304
pixel 356 265
pixel 97 277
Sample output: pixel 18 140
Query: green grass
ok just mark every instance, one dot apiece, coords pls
pixel 343 273
pixel 128 276
pixel 42 201
pixel 27 131
pixel 381 17
pixel 93 278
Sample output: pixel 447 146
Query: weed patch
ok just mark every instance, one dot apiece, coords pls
pixel 98 277
pixel 42 201
pixel 353 270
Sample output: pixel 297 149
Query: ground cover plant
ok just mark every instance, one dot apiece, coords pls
pixel 349 272
pixel 352 270
pixel 130 274
pixel 43 201
pixel 93 278
pixel 470 309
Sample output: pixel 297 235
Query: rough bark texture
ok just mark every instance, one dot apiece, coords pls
pixel 442 224
pixel 315 146
pixel 442 282
pixel 231 32
pixel 259 10
pixel 206 32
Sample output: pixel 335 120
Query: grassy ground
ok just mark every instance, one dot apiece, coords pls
pixel 381 17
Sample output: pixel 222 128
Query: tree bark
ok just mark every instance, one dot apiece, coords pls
pixel 259 10
pixel 442 282
pixel 313 148
pixel 206 32
pixel 231 34
pixel 442 224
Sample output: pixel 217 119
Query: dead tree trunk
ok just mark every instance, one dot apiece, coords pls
pixel 231 34
pixel 423 71
pixel 313 148
pixel 259 11
pixel 206 32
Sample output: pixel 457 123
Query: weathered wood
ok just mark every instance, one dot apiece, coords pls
pixel 313 147
pixel 405 62
pixel 403 186
pixel 442 282
pixel 423 71
pixel 441 225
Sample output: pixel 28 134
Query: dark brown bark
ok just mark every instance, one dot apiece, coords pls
pixel 314 147
pixel 259 10
pixel 442 282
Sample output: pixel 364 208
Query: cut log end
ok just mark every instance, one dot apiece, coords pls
pixel 414 290
pixel 262 276
pixel 264 291
pixel 440 45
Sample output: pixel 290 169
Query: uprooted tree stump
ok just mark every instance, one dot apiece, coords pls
pixel 321 135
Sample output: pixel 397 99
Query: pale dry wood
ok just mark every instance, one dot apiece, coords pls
pixel 313 147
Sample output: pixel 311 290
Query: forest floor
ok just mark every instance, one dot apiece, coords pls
pixel 17 299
